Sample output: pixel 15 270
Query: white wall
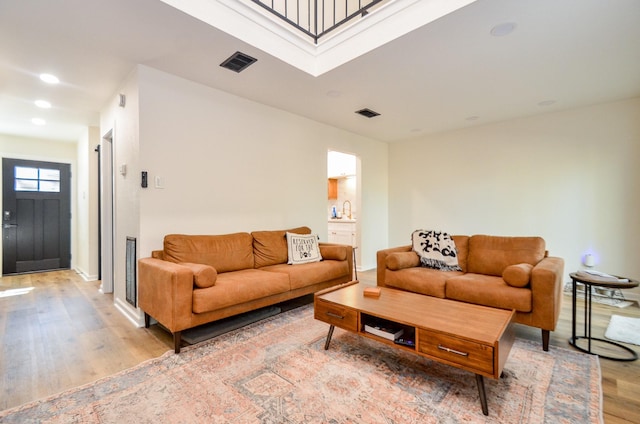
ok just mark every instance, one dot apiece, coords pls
pixel 123 123
pixel 229 164
pixel 86 257
pixel 571 177
pixel 49 151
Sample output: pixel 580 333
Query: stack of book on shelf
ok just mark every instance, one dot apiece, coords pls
pixel 384 329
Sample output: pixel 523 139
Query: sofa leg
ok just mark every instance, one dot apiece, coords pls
pixel 545 340
pixel 177 339
pixel 147 320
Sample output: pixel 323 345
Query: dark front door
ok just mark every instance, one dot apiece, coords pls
pixel 36 216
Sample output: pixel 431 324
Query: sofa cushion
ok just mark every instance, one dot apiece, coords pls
pixel 203 275
pixel 420 280
pixel 234 288
pixel 335 253
pixel 401 260
pixel 490 255
pixel 270 247
pixel 302 248
pixel 517 275
pixel 228 252
pixel 488 290
pixel 462 246
pixel 308 274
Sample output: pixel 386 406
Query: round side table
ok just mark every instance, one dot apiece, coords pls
pixel 588 283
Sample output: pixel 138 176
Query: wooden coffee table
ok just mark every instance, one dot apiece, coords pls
pixel 474 338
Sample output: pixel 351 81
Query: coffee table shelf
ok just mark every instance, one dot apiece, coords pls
pixel 441 328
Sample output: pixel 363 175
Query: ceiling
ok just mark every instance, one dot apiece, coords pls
pixel 449 74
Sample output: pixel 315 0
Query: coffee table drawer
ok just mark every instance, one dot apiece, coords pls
pixel 339 316
pixel 470 355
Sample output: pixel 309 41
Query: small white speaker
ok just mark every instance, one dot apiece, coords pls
pixel 589 260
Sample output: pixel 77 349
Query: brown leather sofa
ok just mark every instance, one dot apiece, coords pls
pixel 501 272
pixel 197 279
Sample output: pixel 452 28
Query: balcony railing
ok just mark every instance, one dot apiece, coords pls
pixel 317 18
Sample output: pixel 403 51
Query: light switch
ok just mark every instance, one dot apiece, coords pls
pixel 159 182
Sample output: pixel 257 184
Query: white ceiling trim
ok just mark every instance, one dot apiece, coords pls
pixel 255 26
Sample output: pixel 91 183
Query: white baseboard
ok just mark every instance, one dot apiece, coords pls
pixel 85 276
pixel 131 313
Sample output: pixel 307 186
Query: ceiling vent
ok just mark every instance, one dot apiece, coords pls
pixel 238 62
pixel 367 113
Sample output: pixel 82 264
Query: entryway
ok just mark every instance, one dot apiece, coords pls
pixel 36 216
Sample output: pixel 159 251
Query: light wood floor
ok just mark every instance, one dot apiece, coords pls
pixel 58 332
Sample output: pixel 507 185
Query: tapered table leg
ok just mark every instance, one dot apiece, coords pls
pixel 482 393
pixel 326 344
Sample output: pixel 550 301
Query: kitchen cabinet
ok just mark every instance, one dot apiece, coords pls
pixel 333 188
pixel 340 165
pixel 342 232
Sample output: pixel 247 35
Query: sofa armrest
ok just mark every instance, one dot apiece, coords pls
pixel 349 252
pixel 333 253
pixel 546 292
pixel 381 261
pixel 165 292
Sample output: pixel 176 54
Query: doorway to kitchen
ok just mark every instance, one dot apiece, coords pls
pixel 343 204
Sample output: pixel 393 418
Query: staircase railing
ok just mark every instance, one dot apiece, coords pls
pixel 317 18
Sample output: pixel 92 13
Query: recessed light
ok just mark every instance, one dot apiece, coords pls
pixel 49 79
pixel 503 29
pixel 43 104
pixel 38 121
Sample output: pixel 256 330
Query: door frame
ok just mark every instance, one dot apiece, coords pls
pixel 107 213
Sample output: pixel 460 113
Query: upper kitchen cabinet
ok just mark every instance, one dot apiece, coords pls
pixel 340 165
pixel 333 188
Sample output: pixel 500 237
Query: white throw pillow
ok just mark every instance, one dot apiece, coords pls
pixel 303 248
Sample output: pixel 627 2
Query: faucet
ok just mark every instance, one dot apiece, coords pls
pixel 343 208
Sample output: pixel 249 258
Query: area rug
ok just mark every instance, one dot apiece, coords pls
pixel 277 371
pixel 623 329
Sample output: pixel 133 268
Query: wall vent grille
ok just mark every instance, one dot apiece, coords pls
pixel 367 113
pixel 238 62
pixel 131 282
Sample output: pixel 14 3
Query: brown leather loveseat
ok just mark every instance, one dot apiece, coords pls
pixel 501 272
pixel 197 279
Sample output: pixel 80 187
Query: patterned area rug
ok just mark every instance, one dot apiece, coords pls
pixel 277 371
